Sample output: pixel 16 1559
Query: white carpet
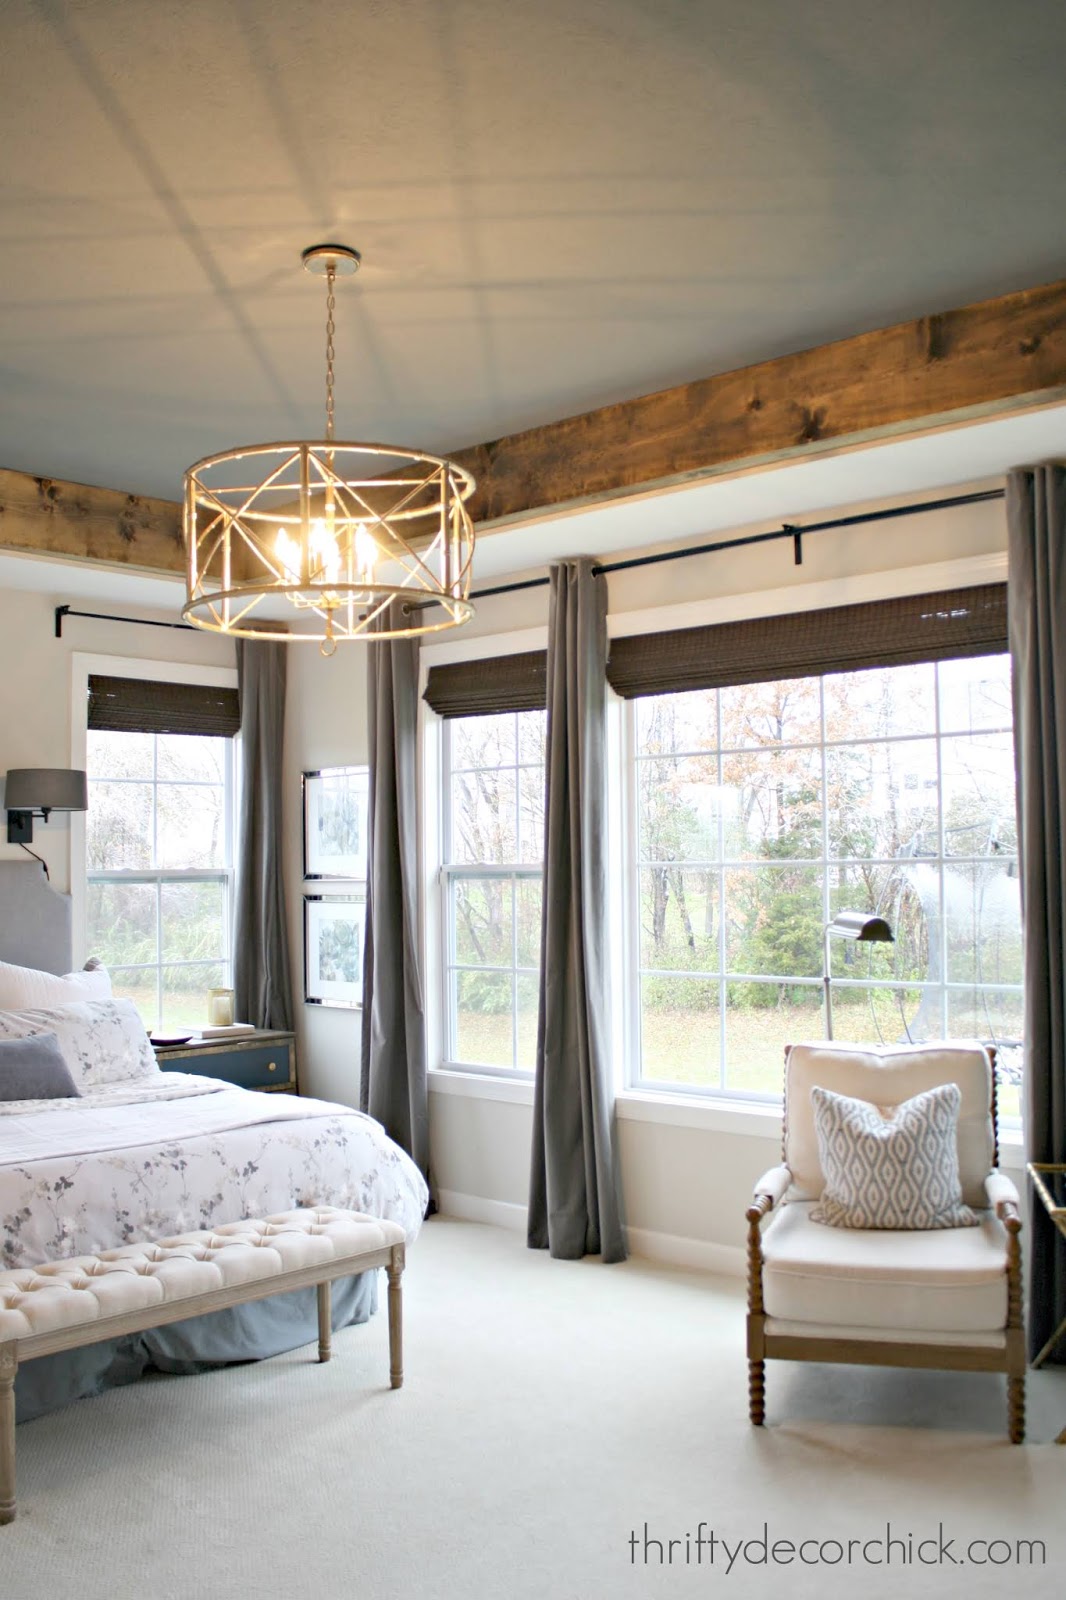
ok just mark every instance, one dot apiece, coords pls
pixel 550 1410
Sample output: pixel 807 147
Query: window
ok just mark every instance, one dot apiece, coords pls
pixel 760 811
pixel 159 856
pixel 491 879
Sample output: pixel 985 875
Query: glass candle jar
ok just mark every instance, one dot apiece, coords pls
pixel 220 1008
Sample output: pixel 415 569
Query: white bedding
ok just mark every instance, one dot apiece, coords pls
pixel 136 1161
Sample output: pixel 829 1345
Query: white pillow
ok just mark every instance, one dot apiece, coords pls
pixel 26 989
pixel 101 1041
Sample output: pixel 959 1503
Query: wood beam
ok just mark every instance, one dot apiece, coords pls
pixel 990 359
pixel 46 517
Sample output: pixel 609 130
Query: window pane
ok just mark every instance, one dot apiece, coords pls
pixel 761 1019
pixel 190 826
pixel 193 921
pixel 975 694
pixel 881 799
pixel 678 808
pixel 530 814
pixel 886 1016
pixel 484 1010
pixel 532 728
pixel 482 741
pixel 120 923
pixel 994 1015
pixel 526 997
pixel 773 803
pixel 676 722
pixel 118 827
pixel 764 714
pixel 527 910
pixel 139 985
pixel 191 758
pixel 774 923
pixel 185 993
pixel 979 795
pixel 484 816
pixel 984 923
pixel 881 703
pixel 118 755
pixel 483 921
pixel 679 1028
pixel 679 919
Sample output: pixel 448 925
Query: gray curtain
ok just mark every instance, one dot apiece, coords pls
pixel 393 1085
pixel 261 974
pixel 573 1198
pixel 1036 514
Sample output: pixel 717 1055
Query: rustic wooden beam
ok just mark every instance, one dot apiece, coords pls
pixel 44 516
pixel 988 359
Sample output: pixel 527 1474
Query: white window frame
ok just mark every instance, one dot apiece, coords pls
pixel 942 987
pixel 500 872
pixel 751 1118
pixel 84 666
pixel 434 874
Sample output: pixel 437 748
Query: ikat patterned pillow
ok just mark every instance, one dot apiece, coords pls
pixel 890 1166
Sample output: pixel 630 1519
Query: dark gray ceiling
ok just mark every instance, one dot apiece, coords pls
pixel 560 203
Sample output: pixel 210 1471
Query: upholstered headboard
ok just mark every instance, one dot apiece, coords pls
pixel 34 919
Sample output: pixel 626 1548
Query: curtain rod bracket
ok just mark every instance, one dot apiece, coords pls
pixel 797 542
pixel 61 612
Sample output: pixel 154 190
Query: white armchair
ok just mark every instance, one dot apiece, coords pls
pixel 938 1297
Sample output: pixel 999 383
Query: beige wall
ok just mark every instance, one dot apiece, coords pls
pixel 35 710
pixel 325 726
pixel 683 1184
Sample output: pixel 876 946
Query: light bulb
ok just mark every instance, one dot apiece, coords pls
pixel 366 553
pixel 288 553
pixel 324 551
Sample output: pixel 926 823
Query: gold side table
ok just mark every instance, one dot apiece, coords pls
pixel 1049 1181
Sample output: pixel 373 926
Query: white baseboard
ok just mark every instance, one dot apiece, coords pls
pixel 475 1208
pixel 674 1249
pixel 700 1255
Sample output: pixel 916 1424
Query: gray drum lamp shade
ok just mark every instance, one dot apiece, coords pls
pixel 46 789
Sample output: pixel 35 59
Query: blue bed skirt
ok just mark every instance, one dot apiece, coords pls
pixel 243 1333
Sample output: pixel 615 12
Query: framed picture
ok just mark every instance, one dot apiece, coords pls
pixel 333 949
pixel 336 801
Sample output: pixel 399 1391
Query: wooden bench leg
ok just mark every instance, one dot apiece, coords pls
pixel 395 1272
pixel 9 1363
pixel 325 1322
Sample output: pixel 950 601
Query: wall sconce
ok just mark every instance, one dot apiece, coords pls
pixel 38 791
pixel 859 925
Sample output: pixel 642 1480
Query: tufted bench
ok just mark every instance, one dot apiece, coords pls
pixel 64 1304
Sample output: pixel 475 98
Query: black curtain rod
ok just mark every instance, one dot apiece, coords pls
pixel 787 530
pixel 105 616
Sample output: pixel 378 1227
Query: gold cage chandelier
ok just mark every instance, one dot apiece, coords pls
pixel 315 539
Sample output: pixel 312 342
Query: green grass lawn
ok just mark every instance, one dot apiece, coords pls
pixel 682 1047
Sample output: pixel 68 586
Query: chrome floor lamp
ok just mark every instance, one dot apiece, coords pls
pixel 858 925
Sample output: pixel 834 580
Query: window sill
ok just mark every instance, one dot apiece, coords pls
pixel 481 1086
pixel 750 1118
pixel 632 1105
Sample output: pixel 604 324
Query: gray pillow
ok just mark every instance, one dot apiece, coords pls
pixel 890 1166
pixel 34 1069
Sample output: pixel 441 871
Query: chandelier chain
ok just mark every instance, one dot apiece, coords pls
pixel 331 305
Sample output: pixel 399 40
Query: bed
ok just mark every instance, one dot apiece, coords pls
pixel 142 1154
